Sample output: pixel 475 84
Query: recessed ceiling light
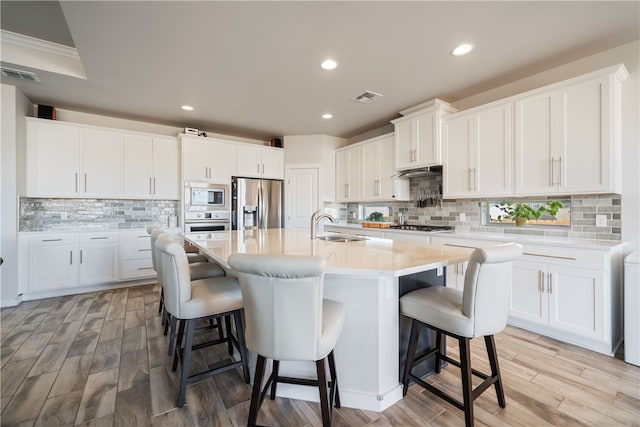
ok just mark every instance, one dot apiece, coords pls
pixel 327 116
pixel 462 49
pixel 329 64
pixel 187 107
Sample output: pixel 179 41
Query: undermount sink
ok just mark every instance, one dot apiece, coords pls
pixel 341 238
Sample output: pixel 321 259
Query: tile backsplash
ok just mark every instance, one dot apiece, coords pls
pixel 584 209
pixel 93 214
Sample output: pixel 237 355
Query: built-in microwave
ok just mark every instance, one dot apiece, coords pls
pixel 205 196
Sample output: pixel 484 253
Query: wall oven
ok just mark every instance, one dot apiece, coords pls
pixel 204 222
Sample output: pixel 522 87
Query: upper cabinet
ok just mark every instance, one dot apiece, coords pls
pixel 417 135
pixel 567 136
pixel 478 152
pixel 259 161
pixel 207 159
pixel 378 169
pixel 150 167
pixel 348 174
pixel 67 160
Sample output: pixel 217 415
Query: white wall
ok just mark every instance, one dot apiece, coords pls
pixel 318 149
pixel 15 107
pixel 629 55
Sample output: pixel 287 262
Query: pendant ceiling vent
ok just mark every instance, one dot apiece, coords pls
pixel 19 74
pixel 367 97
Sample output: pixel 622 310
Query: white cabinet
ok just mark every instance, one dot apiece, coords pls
pixel 259 161
pixel 151 167
pixel 567 136
pixel 66 160
pixel 378 169
pixel 135 255
pixel 348 174
pixel 207 159
pixel 563 298
pixel 59 261
pixel 477 149
pixel 417 136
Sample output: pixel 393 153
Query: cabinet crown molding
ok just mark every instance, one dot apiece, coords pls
pixel 433 104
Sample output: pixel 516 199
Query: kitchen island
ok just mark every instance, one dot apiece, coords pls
pixel 364 275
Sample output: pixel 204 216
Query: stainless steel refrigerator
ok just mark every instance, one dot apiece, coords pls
pixel 257 203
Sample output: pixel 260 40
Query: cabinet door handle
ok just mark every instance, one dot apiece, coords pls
pixel 80 256
pixel 154 185
pixel 559 171
pixel 150 185
pixel 76 181
pixel 475 179
pixel 553 162
pixel 550 283
pixel 70 257
pixel 540 281
pixel 258 169
pixel 469 180
pixel 85 182
pixel 346 190
pixel 263 169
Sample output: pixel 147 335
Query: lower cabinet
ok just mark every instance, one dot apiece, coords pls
pixel 58 261
pixel 562 298
pixel 135 255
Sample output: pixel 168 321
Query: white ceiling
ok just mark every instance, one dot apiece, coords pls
pixel 253 68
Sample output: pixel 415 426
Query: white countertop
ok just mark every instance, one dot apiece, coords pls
pixel 501 237
pixel 373 256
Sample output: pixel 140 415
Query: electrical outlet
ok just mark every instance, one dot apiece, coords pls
pixel 601 220
pixel 439 271
pixel 462 216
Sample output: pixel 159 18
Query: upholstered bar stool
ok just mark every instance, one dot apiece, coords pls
pixel 197 270
pixel 191 256
pixel 480 310
pixel 287 319
pixel 189 301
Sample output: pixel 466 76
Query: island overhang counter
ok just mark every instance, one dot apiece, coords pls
pixel 364 275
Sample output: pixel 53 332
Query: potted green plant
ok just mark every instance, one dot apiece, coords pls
pixel 521 212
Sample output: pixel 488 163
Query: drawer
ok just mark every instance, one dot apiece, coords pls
pixel 570 256
pixel 136 269
pixel 126 236
pixel 129 251
pixel 85 238
pixel 464 243
pixel 53 240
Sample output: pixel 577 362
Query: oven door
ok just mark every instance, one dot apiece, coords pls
pixel 205 226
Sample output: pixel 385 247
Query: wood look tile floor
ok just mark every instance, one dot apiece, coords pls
pixel 100 359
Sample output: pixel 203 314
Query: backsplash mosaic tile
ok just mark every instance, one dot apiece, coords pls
pixel 583 211
pixel 93 214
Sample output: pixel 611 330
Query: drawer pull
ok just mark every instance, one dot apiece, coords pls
pixel 145 237
pixel 144 250
pixel 549 256
pixel 52 240
pixel 145 268
pixel 99 238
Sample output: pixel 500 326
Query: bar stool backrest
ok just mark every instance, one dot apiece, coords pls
pixel 486 287
pixel 282 297
pixel 176 277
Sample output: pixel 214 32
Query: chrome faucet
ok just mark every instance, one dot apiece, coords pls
pixel 315 219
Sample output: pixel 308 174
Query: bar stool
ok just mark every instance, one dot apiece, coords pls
pixel 286 319
pixel 197 270
pixel 189 301
pixel 480 310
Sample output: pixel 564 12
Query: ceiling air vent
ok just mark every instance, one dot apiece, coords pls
pixel 367 97
pixel 19 74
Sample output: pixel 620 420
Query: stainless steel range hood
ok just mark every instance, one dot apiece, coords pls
pixel 425 171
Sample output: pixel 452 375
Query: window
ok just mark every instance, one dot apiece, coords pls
pixel 496 212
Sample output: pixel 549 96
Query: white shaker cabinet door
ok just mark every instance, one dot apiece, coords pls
pixel 273 163
pixel 528 300
pixel 166 169
pixel 249 161
pixel 53 159
pixel 457 170
pixel 222 164
pixel 577 301
pixel 52 267
pixel 137 170
pixel 195 160
pixel 98 263
pixel 101 163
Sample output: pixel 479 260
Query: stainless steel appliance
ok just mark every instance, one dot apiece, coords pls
pixel 256 203
pixel 425 228
pixel 206 207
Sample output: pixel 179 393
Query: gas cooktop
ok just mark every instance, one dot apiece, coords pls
pixel 426 228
